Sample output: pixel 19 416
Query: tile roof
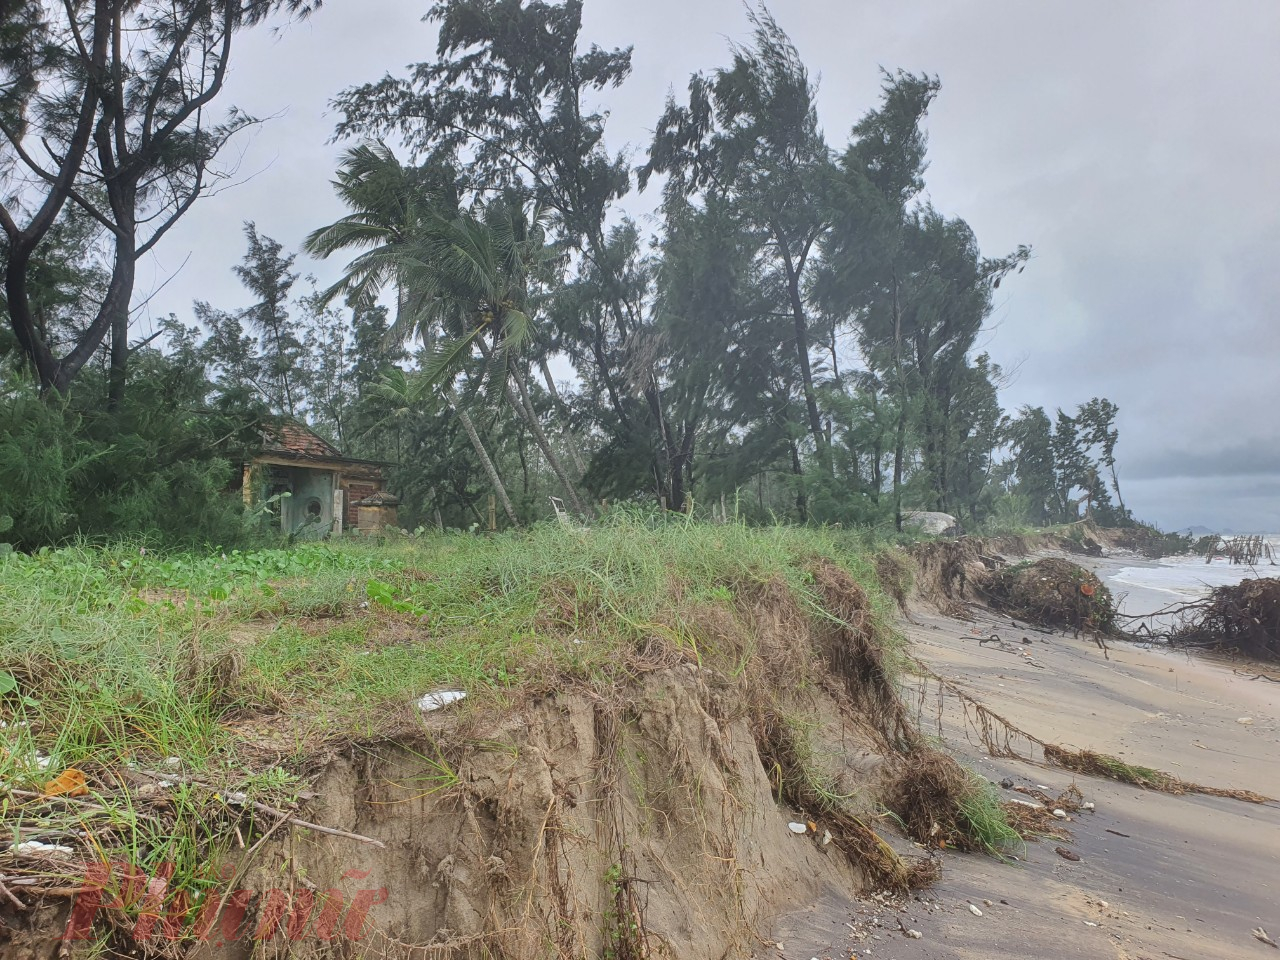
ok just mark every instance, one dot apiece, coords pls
pixel 296 439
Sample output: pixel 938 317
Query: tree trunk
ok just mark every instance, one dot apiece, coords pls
pixel 23 242
pixel 490 471
pixel 125 265
pixel 1115 485
pixel 900 441
pixel 802 354
pixel 525 410
pixel 898 456
pixel 21 319
pixel 681 469
pixel 802 498
pixel 524 466
pixel 119 292
pixel 877 448
pixel 564 411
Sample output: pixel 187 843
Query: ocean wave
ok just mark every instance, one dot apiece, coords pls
pixel 1190 577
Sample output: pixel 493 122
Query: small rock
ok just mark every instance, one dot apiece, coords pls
pixel 1090 923
pixel 974 910
pixel 1060 814
pixel 1007 783
pixel 914 934
pixel 1245 720
pixel 797 828
pixel 1088 806
pixel 1104 905
pixel 987 903
pixel 826 837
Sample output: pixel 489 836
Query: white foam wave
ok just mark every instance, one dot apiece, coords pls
pixel 1190 577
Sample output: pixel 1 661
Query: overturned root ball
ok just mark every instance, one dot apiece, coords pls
pixel 941 804
pixel 1244 618
pixel 1054 593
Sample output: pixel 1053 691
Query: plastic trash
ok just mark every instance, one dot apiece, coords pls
pixel 441 698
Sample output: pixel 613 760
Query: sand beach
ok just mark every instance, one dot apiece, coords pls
pixel 1145 875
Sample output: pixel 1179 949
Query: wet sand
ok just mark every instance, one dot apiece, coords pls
pixel 1159 876
pixel 1131 599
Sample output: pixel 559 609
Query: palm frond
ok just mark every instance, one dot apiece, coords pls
pixel 517 330
pixel 448 358
pixel 352 231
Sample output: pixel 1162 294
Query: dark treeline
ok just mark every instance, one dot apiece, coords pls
pixel 796 339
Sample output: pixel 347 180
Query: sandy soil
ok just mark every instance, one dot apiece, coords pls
pixel 1159 876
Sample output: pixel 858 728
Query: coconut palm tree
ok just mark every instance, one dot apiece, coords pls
pixel 388 203
pixel 471 278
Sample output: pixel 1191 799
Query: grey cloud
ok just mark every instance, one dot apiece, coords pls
pixel 1231 503
pixel 1250 459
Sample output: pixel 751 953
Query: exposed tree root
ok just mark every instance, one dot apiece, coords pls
pixel 1102 765
pixel 795 785
pixel 1244 618
pixel 1001 738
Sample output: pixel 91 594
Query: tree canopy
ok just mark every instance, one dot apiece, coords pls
pixel 795 329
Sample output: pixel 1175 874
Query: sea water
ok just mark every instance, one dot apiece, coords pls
pixel 1189 578
pixel 1147 586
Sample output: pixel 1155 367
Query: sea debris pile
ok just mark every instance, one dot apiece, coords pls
pixel 1053 593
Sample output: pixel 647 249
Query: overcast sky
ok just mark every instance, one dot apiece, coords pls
pixel 1134 145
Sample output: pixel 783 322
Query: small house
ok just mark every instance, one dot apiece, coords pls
pixel 327 492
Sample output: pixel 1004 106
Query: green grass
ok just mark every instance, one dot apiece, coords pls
pixel 984 820
pixel 116 655
pixel 111 646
